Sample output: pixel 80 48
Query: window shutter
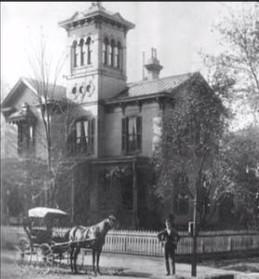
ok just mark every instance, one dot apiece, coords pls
pixel 91 133
pixel 124 129
pixel 139 132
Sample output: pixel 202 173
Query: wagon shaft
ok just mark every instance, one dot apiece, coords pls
pixel 90 240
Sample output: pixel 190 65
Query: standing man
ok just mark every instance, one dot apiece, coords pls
pixel 170 238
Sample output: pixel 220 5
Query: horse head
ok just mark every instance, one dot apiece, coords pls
pixel 113 222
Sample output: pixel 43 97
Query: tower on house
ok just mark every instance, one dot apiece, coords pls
pixel 97 56
pixel 97 51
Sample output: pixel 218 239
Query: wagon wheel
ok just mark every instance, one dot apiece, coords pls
pixel 23 253
pixel 45 258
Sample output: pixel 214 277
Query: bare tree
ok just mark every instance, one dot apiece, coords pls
pixel 56 115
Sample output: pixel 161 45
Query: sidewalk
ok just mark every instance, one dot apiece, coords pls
pixel 119 266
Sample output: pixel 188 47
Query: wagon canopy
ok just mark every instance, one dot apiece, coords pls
pixel 42 212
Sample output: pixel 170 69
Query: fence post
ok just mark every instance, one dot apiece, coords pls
pixel 125 244
pixel 230 243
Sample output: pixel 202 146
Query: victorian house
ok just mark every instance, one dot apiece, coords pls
pixel 115 124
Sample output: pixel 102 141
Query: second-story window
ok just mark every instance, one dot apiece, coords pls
pixel 131 134
pixel 84 136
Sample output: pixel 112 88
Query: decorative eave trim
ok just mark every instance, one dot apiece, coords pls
pixel 138 98
pixel 96 15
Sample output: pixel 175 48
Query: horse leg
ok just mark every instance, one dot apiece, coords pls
pixel 71 259
pixel 98 259
pixel 93 258
pixel 77 251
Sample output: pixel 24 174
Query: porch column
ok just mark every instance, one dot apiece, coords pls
pixel 135 195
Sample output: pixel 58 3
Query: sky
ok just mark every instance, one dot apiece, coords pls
pixel 177 29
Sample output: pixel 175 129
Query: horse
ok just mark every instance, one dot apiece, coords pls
pixel 92 237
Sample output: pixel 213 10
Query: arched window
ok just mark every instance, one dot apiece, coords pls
pixel 119 56
pixel 116 53
pixel 105 51
pixel 112 52
pixel 75 54
pixel 82 52
pixel 89 50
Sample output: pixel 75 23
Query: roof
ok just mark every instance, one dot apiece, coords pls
pixel 162 85
pixel 42 212
pixel 97 10
pixel 58 94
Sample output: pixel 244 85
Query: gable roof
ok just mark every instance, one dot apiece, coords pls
pixel 163 85
pixel 56 92
pixel 32 84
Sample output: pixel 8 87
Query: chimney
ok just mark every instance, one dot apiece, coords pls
pixel 153 66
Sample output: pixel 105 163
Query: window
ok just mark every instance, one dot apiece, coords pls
pixel 25 138
pixel 105 51
pixel 112 52
pixel 75 54
pixel 82 52
pixel 84 136
pixel 89 50
pixel 131 134
pixel 119 56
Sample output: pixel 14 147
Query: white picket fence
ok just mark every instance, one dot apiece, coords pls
pixel 146 243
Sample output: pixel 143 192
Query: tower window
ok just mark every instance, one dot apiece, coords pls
pixel 119 56
pixel 89 50
pixel 116 53
pixel 82 52
pixel 105 51
pixel 112 52
pixel 75 54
